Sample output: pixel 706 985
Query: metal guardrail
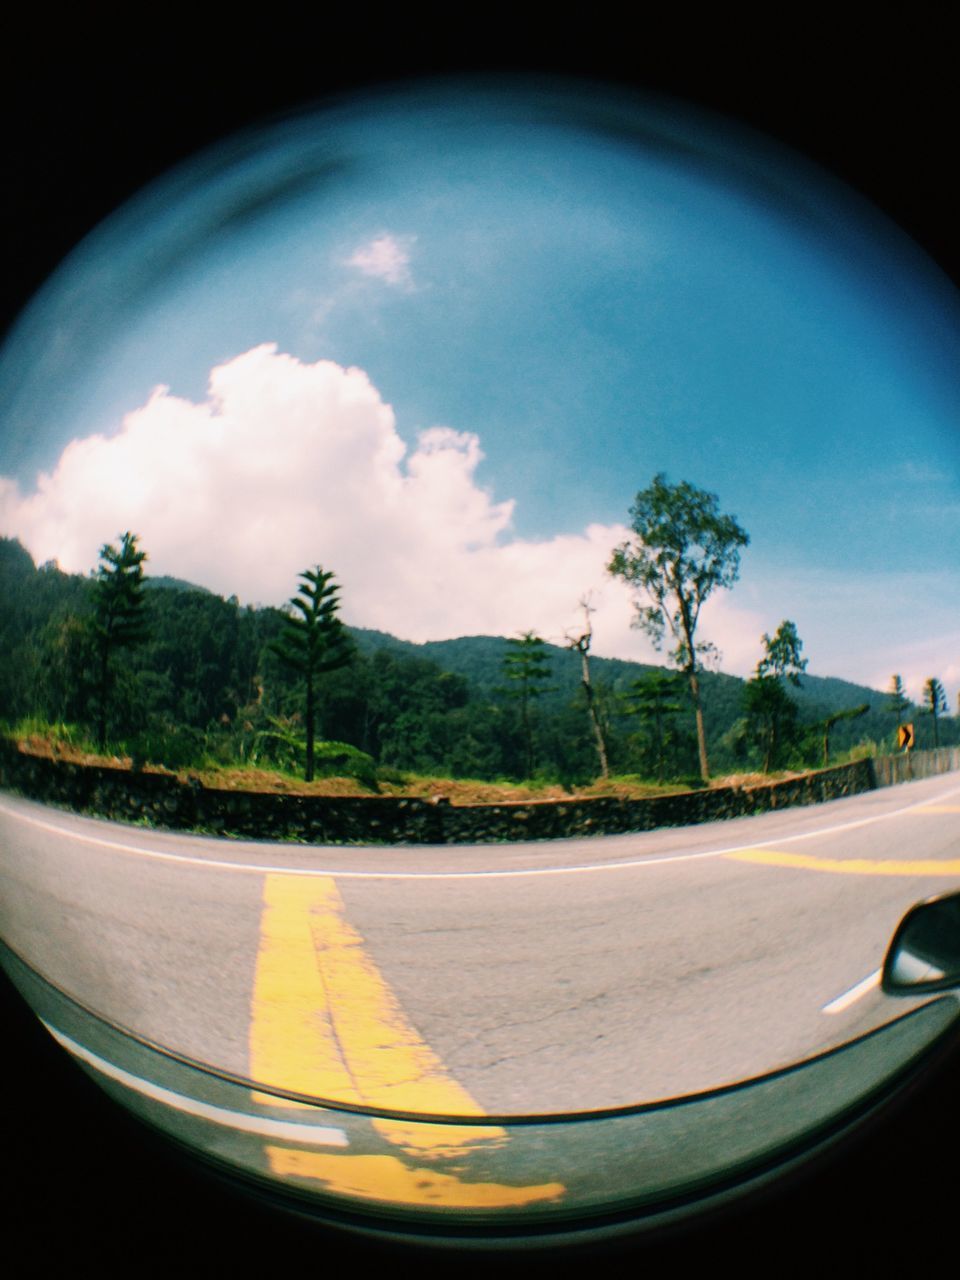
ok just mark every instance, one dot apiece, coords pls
pixel 911 765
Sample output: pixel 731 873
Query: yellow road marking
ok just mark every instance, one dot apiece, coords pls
pixel 938 808
pixel 325 1023
pixel 292 1041
pixel 851 866
pixel 387 1178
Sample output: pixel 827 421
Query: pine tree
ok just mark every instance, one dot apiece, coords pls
pixel 771 712
pixel 119 620
pixel 934 702
pixel 314 641
pixel 651 697
pixel 899 702
pixel 527 664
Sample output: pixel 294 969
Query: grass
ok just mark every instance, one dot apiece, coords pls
pixel 72 744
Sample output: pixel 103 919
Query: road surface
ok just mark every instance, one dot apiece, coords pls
pixel 505 980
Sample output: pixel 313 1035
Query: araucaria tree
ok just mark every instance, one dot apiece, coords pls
pixel 118 615
pixel 684 549
pixel 527 665
pixel 934 701
pixel 313 642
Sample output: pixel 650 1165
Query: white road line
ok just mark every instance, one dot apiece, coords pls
pixel 653 860
pixel 287 1130
pixel 847 998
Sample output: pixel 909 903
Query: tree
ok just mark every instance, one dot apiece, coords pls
pixel 771 718
pixel 527 664
pixel 651 698
pixel 781 658
pixel 118 615
pixel 899 702
pixel 771 712
pixel 934 701
pixel 313 641
pixel 581 644
pixel 826 726
pixel 684 549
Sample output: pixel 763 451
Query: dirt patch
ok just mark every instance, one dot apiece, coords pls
pixel 754 779
pixel 460 791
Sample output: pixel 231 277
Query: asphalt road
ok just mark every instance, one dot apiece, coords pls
pixel 557 976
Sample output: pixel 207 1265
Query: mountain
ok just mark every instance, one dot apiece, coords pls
pixel 166 583
pixel 479 659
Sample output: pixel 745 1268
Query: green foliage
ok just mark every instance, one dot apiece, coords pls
pixel 824 728
pixel 653 699
pixel 772 720
pixel 314 641
pixel 781 658
pixel 526 665
pixel 58 733
pixel 206 685
pixel 772 716
pixel 899 702
pixel 282 744
pixel 170 745
pixel 684 549
pixel 118 615
pixel 935 704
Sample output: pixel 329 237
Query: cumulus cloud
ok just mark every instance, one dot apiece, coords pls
pixel 386 257
pixel 285 465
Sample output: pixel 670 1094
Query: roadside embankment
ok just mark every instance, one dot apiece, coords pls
pixel 165 801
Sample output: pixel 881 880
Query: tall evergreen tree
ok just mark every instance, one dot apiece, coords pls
pixel 313 641
pixel 771 712
pixel 934 702
pixel 652 698
pixel 119 621
pixel 527 665
pixel 899 702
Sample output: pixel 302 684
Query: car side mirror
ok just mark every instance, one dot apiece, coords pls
pixel 924 954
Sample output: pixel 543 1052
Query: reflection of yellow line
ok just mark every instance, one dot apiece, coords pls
pixel 325 1023
pixel 387 1178
pixel 851 866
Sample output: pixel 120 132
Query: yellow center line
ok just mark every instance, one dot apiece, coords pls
pixel 938 808
pixel 324 1022
pixel 851 866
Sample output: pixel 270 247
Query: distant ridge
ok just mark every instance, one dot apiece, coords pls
pixel 165 583
pixel 480 659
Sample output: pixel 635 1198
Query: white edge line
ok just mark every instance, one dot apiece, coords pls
pixel 260 869
pixel 847 998
pixel 312 1135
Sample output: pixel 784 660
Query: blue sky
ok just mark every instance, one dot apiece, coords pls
pixel 590 297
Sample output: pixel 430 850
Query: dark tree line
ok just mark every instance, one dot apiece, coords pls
pixel 194 677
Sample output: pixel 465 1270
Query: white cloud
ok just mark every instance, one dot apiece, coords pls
pixel 386 257
pixel 287 464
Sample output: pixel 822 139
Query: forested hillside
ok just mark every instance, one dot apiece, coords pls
pixel 205 683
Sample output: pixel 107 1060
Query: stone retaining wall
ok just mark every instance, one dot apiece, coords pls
pixel 165 801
